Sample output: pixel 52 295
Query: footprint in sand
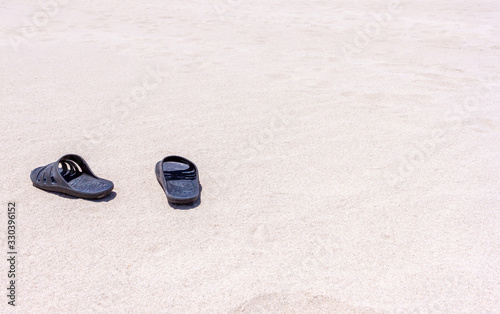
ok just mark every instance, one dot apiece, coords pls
pixel 297 303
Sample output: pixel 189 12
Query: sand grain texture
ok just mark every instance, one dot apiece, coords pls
pixel 348 152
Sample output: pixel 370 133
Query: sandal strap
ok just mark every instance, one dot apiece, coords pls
pixel 71 165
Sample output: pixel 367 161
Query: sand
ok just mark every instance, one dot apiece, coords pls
pixel 348 153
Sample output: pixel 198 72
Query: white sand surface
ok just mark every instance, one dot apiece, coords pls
pixel 348 152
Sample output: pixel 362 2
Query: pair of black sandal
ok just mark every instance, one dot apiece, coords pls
pixel 72 175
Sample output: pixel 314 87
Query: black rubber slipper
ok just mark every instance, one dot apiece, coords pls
pixel 71 175
pixel 179 179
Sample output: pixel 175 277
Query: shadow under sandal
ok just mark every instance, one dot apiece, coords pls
pixel 179 179
pixel 71 175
